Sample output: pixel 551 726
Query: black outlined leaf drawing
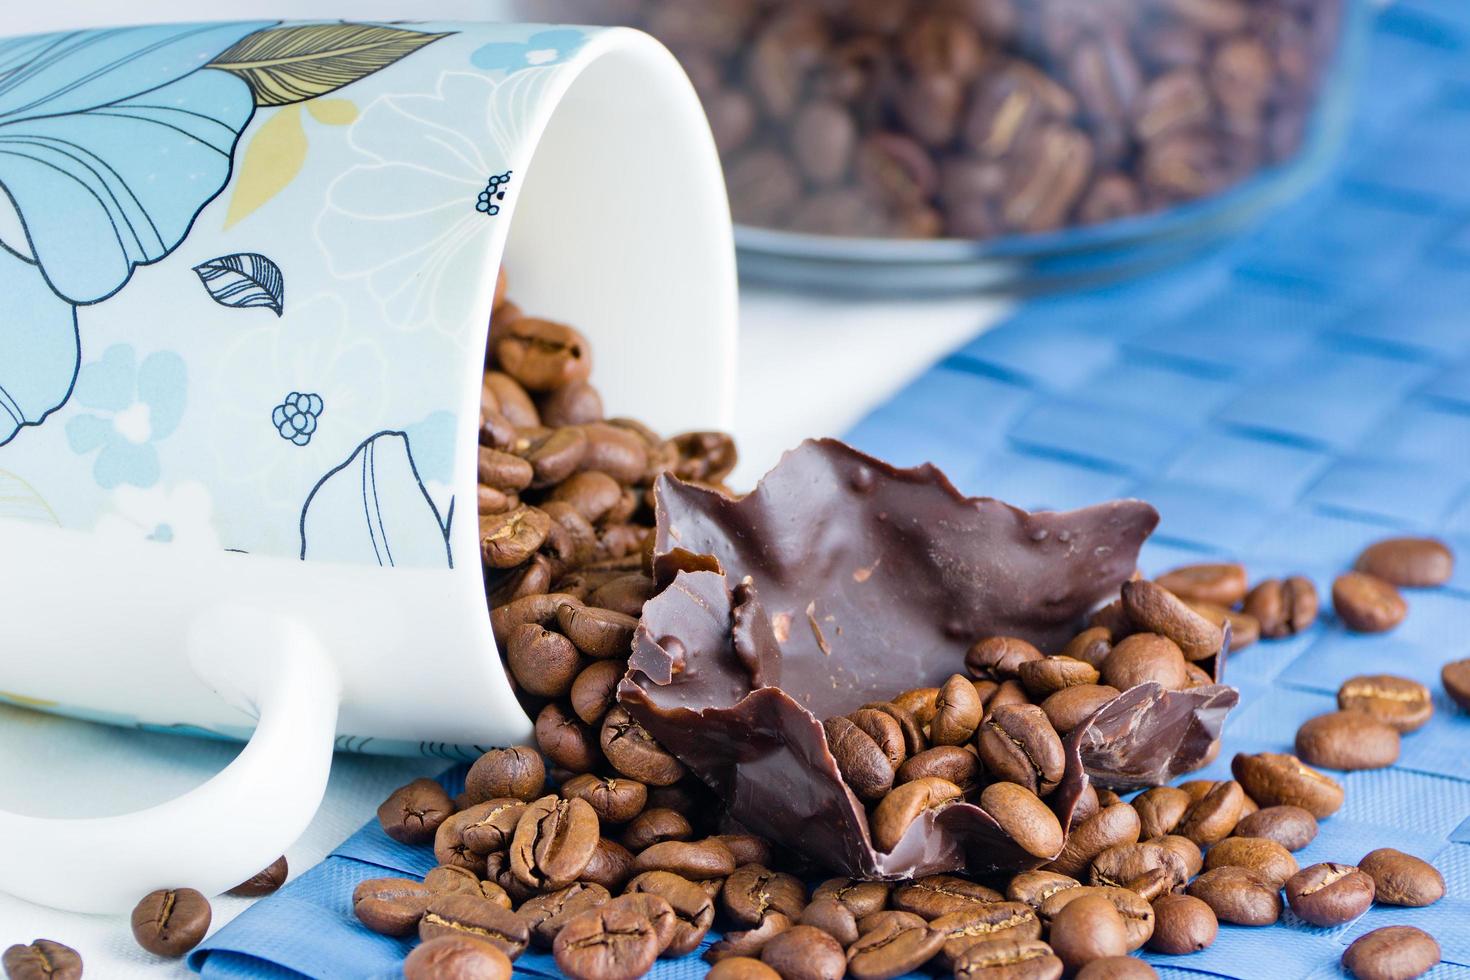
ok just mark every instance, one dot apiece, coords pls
pixel 245 279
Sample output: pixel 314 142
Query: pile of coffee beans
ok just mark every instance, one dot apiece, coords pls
pixel 977 118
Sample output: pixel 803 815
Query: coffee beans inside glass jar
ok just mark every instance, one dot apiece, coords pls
pixel 979 119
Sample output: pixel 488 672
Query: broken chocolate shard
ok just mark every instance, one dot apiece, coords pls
pixel 856 581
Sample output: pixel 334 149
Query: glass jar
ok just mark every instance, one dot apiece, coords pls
pixel 919 143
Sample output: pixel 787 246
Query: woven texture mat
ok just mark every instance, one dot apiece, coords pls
pixel 1283 402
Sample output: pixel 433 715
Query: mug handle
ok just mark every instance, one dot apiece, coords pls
pixel 220 834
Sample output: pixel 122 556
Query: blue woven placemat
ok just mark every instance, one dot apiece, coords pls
pixel 1283 402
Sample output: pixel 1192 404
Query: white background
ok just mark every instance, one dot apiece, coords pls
pixel 809 366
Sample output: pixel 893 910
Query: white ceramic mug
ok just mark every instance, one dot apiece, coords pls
pixel 246 277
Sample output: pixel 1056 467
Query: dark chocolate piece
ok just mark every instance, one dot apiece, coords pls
pixel 872 580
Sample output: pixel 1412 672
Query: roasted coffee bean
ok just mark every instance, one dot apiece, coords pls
pixel 613 799
pixel 695 860
pixel 921 702
pixel 1091 646
pixel 391 906
pixel 1005 959
pixel 563 739
pixel 1223 584
pixel 1329 894
pixel 542 355
pixel 413 813
pixel 514 772
pixel 914 740
pixel 512 400
pixel 749 942
pixel 905 804
pixel 1271 862
pixel 1185 850
pixel 654 825
pixel 43 959
pixel 503 471
pixel 1160 809
pixel 999 658
pixel 833 918
pixel 862 898
pixel 1244 629
pixel 1273 779
pixel 171 921
pixel 1455 677
pixel 746 848
pixel 1367 604
pixel 615 941
pixel 1290 826
pixel 1155 609
pixel 595 688
pixel 543 663
pixel 1392 953
pixel 1408 562
pixel 1018 744
pixel 1137 915
pixel 753 890
pixel 1183 924
pixel 1214 815
pixel 634 753
pixel 509 538
pixel 1043 678
pixel 553 841
pixel 267 880
pixel 1347 740
pixel 576 403
pixel 1109 827
pixel 526 609
pixel 893 947
pixel 957 713
pixel 1118 865
pixel 863 765
pixel 947 762
pixel 805 953
pixel 1071 706
pixel 459 914
pixel 741 968
pixel 1022 815
pixel 489 826
pixel 1238 896
pixel 1151 884
pixel 597 632
pixel 694 910
pixel 1402 879
pixel 625 594
pixel 611 865
pixel 978 923
pixel 885 732
pixel 1145 657
pixel 448 878
pixel 456 958
pixel 1087 929
pixel 935 895
pixel 1283 607
pixel 1401 703
pixel 1035 887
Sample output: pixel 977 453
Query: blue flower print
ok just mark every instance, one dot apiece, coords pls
pixel 542 48
pixel 295 418
pixel 135 406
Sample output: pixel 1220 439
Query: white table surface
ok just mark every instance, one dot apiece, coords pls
pixel 809 367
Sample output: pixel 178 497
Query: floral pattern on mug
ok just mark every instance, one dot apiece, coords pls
pixel 551 47
pixel 311 351
pixel 182 514
pixel 439 151
pixel 136 404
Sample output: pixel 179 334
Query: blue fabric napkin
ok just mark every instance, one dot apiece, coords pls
pixel 1284 402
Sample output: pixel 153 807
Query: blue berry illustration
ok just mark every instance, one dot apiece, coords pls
pixel 493 194
pixel 295 418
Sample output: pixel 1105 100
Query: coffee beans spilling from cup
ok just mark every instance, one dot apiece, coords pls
pixel 977 118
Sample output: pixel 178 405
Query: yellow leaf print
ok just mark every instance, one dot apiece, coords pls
pixel 271 161
pixel 292 64
pixel 19 501
pixel 332 112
